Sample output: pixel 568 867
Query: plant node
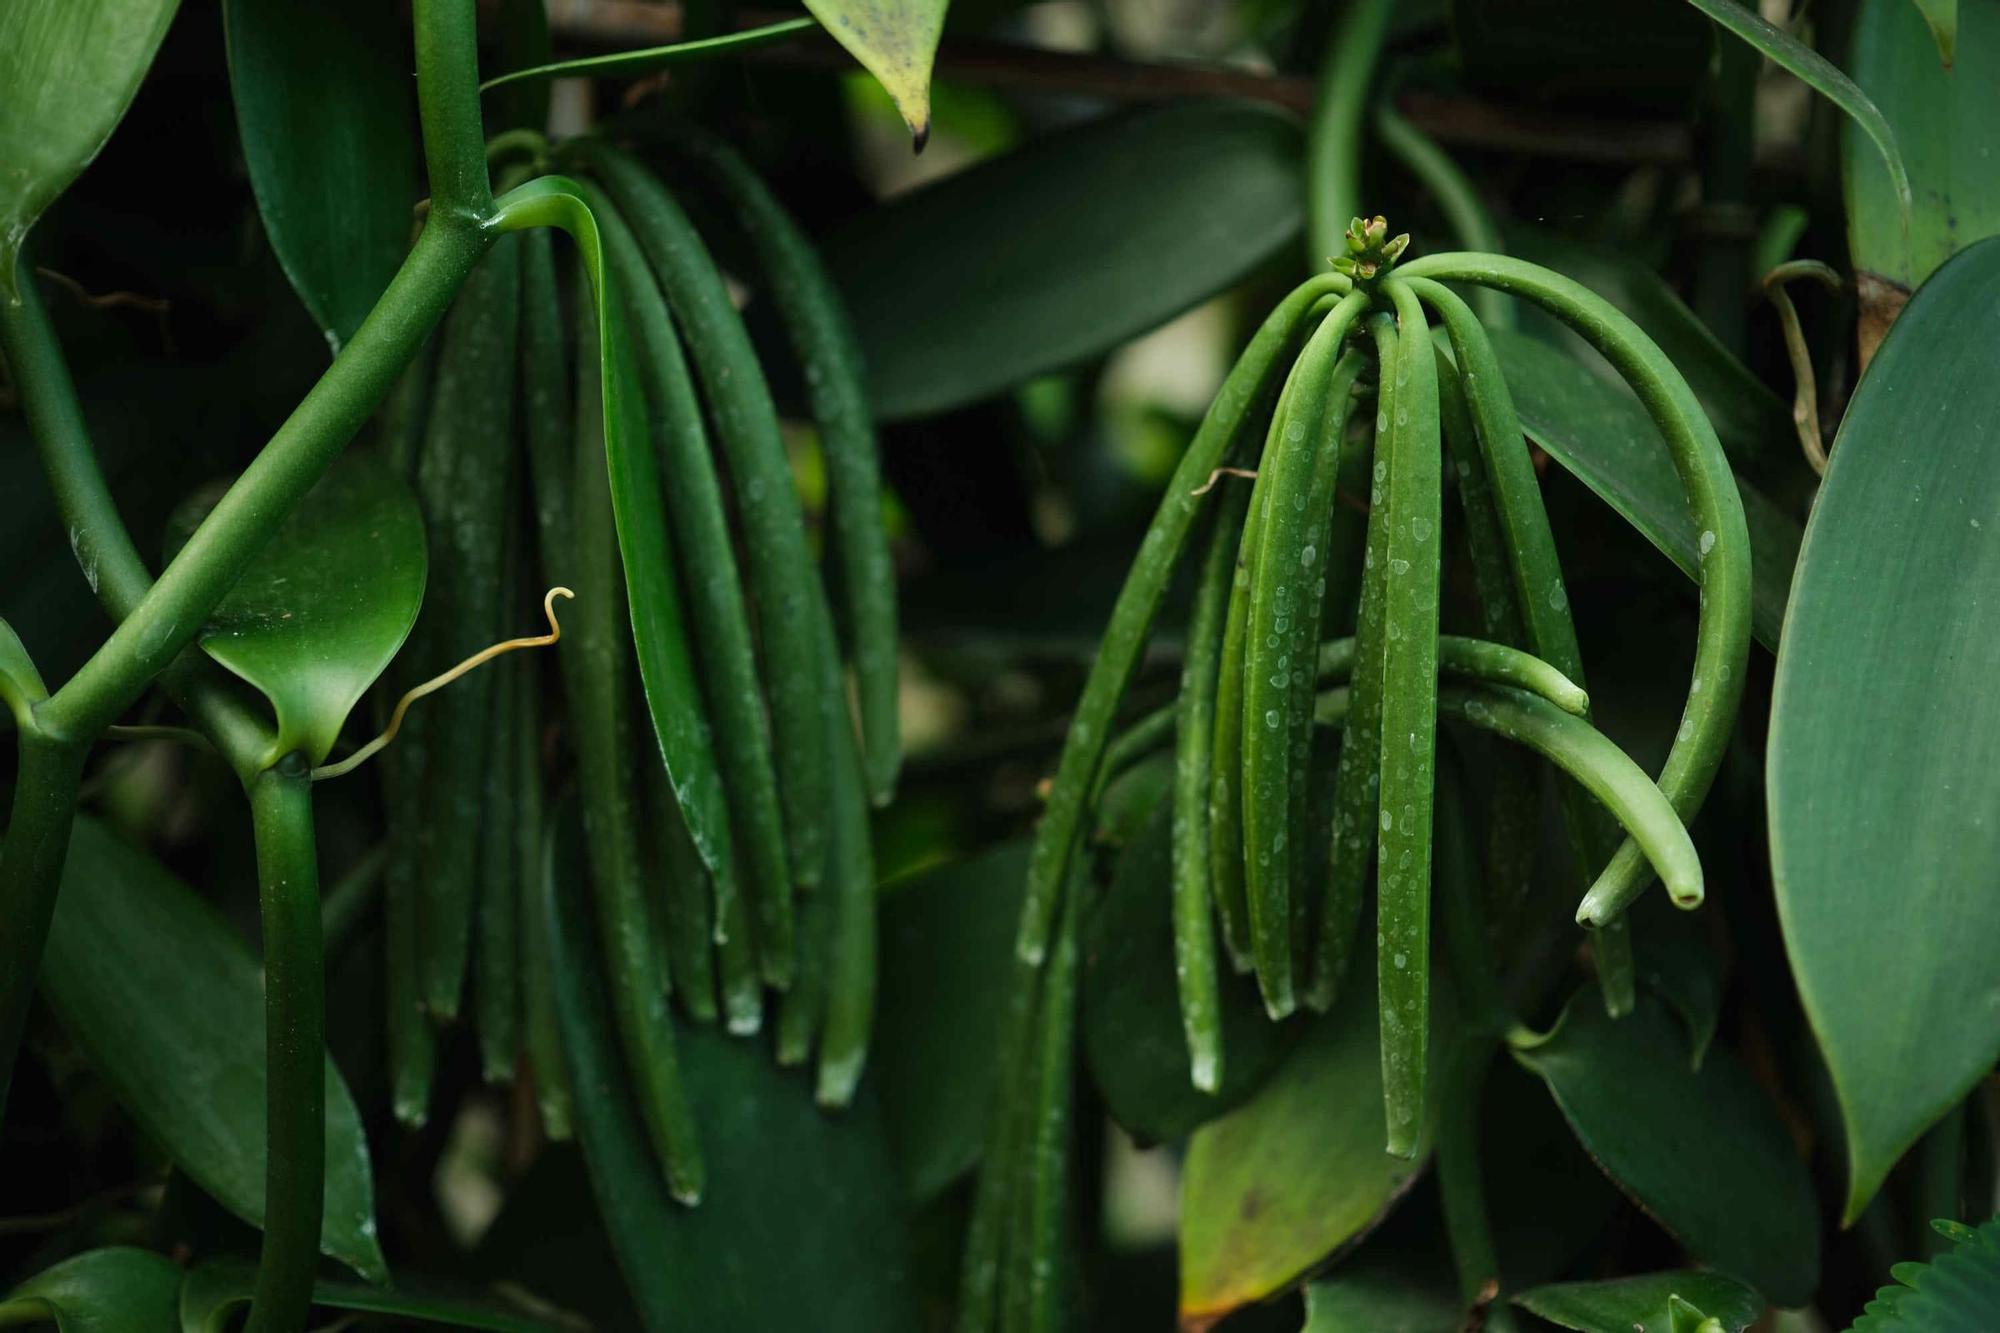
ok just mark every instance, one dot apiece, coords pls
pixel 1371 251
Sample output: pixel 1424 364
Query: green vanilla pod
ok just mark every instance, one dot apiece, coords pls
pixel 1409 722
pixel 1138 602
pixel 462 481
pixel 816 324
pixel 700 523
pixel 604 738
pixel 1194 731
pixel 792 612
pixel 1285 600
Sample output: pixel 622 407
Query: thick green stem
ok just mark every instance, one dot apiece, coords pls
pixel 294 1046
pixel 103 547
pixel 448 99
pixel 31 864
pixel 169 614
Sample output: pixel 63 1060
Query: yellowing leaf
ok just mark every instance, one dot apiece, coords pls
pixel 895 40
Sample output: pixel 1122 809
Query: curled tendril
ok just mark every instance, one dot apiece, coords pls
pixel 439 681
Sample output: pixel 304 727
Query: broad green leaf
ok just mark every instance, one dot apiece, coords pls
pixel 1601 433
pixel 114 1290
pixel 945 964
pixel 1957 1292
pixel 1381 1295
pixel 1752 422
pixel 1941 17
pixel 801 1224
pixel 167 1001
pixel 1819 74
pixel 1133 1040
pixel 895 40
pixel 1065 249
pixel 1947 120
pixel 628 63
pixel 1295 1173
pixel 70 68
pixel 1675 962
pixel 327 604
pixel 323 102
pixel 1884 752
pixel 215 1293
pixel 1639 1304
pixel 1704 1153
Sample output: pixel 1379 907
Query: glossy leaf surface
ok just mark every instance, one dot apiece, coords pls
pixel 945 945
pixel 1064 249
pixel 1133 1039
pixel 1884 753
pixel 1946 120
pixel 894 40
pixel 323 104
pixel 1639 1304
pixel 327 604
pixel 1602 435
pixel 215 1293
pixel 1703 1152
pixel 1295 1173
pixel 70 68
pixel 168 1003
pixel 113 1290
pixel 801 1223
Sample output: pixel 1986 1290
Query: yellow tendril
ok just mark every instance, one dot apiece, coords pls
pixel 438 682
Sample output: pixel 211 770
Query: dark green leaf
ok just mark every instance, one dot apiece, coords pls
pixel 1601 433
pixel 327 604
pixel 1957 1292
pixel 946 953
pixel 1821 75
pixel 1371 1295
pixel 168 1003
pixel 1065 249
pixel 70 68
pixel 1639 1304
pixel 1884 762
pixel 1133 1040
pixel 1296 1172
pixel 1703 1152
pixel 215 1293
pixel 1676 963
pixel 895 41
pixel 323 103
pixel 521 41
pixel 1752 422
pixel 1946 120
pixel 800 1225
pixel 114 1290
